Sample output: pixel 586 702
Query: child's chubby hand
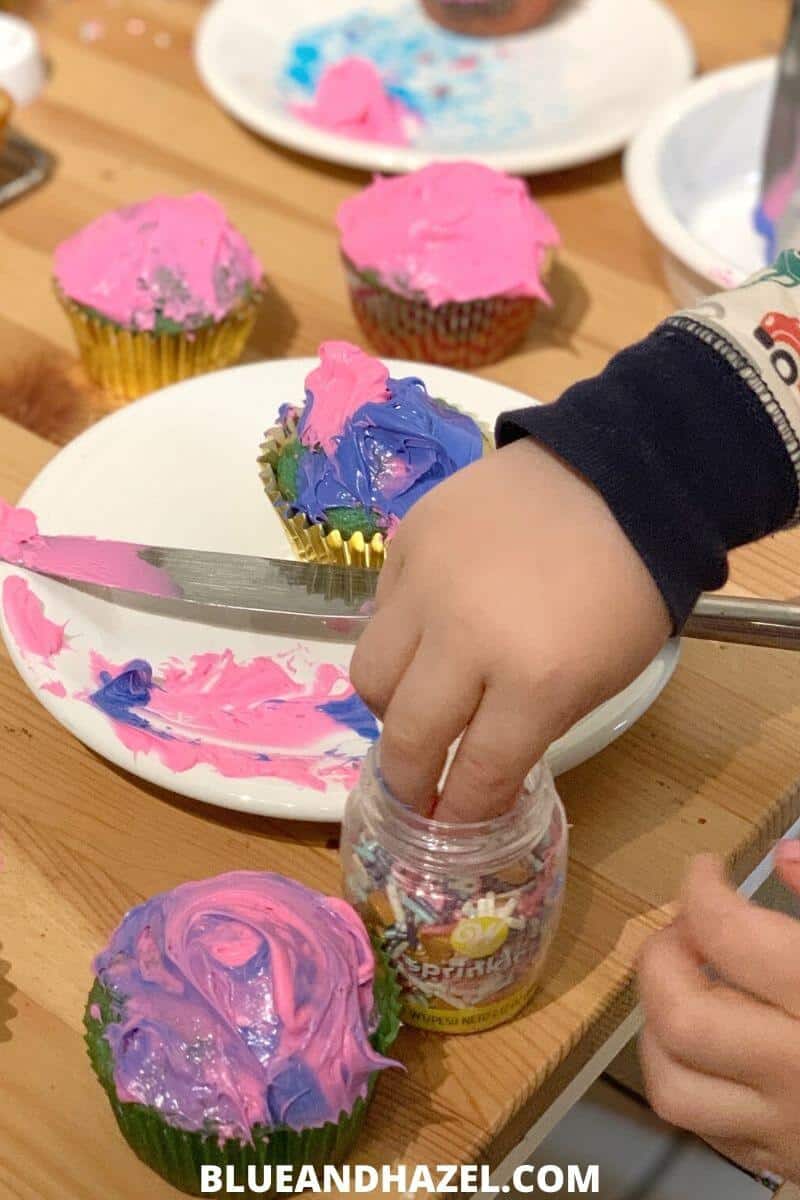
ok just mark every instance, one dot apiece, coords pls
pixel 721 1047
pixel 511 605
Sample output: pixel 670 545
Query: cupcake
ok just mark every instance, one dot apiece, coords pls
pixel 345 468
pixel 445 265
pixel 489 18
pixel 158 292
pixel 6 108
pixel 240 1022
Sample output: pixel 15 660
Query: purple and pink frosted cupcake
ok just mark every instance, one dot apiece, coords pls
pixel 158 292
pixel 344 468
pixel 447 264
pixel 489 18
pixel 240 1022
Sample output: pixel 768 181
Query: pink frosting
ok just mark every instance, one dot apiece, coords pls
pixel 32 631
pixel 346 379
pixel 451 232
pixel 106 563
pixel 351 100
pixel 176 257
pixel 264 718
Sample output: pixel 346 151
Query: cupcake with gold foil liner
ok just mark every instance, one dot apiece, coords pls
pixel 127 363
pixel 447 264
pixel 310 541
pixel 6 108
pixel 158 292
pixel 355 412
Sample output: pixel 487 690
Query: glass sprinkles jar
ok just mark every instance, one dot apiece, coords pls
pixel 466 913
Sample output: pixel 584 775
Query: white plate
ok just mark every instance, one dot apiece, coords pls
pixel 178 468
pixel 569 92
pixel 694 172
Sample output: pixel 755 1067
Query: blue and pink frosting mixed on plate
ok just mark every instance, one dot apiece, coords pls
pixel 243 1001
pixel 370 442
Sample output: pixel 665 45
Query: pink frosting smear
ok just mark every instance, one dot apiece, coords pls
pixel 105 563
pixel 55 687
pixel 346 379
pixel 450 232
pixel 33 632
pixel 284 717
pixel 173 257
pixel 351 100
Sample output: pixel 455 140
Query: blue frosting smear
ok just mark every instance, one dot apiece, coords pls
pixel 469 92
pixel 353 713
pixel 122 693
pixel 389 455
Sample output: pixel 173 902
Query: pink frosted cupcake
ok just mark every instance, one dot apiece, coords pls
pixel 158 292
pixel 446 265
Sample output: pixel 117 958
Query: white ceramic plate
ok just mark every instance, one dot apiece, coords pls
pixel 569 92
pixel 694 173
pixel 178 468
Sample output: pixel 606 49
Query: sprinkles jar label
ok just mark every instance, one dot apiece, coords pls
pixel 465 913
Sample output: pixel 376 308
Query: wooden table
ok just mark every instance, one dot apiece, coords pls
pixel 705 770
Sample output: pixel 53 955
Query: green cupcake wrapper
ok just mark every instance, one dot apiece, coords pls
pixel 178 1155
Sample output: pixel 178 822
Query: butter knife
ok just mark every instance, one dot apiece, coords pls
pixel 299 599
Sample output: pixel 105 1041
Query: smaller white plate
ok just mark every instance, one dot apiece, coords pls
pixel 178 468
pixel 571 91
pixel 694 173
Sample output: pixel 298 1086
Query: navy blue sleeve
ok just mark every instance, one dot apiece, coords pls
pixel 683 451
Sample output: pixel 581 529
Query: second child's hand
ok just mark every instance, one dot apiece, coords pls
pixel 511 605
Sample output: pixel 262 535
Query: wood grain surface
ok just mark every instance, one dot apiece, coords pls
pixel 81 841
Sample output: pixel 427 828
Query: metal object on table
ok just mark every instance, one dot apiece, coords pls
pixel 23 166
pixel 778 214
pixel 745 621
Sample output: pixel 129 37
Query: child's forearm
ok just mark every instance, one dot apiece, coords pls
pixel 691 435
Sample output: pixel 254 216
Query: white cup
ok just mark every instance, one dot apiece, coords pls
pixel 21 63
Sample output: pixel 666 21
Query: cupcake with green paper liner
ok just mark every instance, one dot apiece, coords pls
pixel 158 292
pixel 447 264
pixel 344 468
pixel 240 1022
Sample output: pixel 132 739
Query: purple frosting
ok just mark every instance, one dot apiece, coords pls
pixel 388 455
pixel 246 1000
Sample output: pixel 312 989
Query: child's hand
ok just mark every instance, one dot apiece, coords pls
pixel 511 605
pixel 723 1058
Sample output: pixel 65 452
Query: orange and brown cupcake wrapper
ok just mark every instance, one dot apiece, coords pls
pixel 458 334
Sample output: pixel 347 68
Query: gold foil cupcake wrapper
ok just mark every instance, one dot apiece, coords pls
pixel 310 541
pixel 462 335
pixel 127 363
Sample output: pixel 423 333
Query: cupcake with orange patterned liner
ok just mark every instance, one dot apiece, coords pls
pixel 158 292
pixel 489 18
pixel 446 265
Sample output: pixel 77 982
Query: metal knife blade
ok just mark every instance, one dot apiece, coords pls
pixel 778 214
pixel 272 595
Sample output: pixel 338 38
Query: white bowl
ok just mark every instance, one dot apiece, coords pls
pixel 694 171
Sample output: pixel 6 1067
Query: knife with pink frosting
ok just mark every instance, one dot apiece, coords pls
pixel 266 594
pixel 294 599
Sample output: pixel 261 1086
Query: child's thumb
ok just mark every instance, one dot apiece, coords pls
pixel 787 863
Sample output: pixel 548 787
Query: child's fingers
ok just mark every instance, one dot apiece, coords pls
pixel 431 705
pixel 710 1027
pixel 385 651
pixel 787 863
pixel 752 948
pixel 710 1107
pixel 498 749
